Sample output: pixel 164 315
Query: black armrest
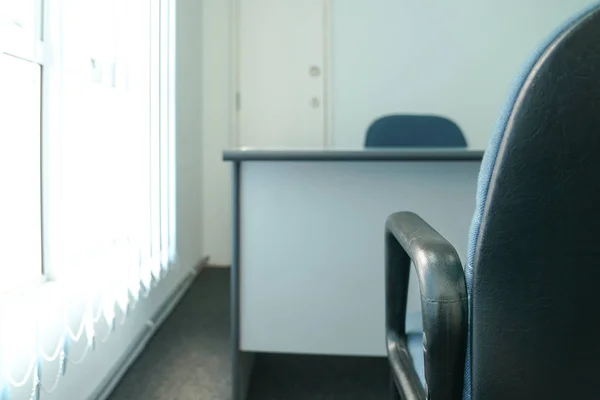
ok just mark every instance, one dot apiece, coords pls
pixel 443 304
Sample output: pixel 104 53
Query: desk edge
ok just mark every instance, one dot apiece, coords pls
pixel 352 155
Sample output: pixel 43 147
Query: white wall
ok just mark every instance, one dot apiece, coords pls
pixel 218 106
pixel 189 101
pixel 455 58
pixel 84 380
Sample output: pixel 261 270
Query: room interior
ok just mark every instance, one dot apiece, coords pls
pixel 242 254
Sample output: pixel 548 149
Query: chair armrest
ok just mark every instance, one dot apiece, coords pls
pixel 443 305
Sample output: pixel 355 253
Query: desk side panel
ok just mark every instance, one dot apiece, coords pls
pixel 312 248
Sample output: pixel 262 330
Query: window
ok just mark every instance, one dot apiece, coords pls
pixel 108 206
pixel 21 63
pixel 106 161
pixel 86 168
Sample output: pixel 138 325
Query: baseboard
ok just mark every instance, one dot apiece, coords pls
pixel 218 266
pixel 139 344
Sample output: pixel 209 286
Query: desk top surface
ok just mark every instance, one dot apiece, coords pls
pixel 397 154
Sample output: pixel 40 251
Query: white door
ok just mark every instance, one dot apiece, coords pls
pixel 281 74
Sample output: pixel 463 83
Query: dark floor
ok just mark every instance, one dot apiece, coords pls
pixel 189 359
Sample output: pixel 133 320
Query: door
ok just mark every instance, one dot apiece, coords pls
pixel 281 99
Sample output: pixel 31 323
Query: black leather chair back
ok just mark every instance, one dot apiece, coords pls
pixel 535 289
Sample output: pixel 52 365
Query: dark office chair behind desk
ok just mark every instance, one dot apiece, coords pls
pixel 522 320
pixel 414 131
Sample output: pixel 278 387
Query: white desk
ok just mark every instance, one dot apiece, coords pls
pixel 308 262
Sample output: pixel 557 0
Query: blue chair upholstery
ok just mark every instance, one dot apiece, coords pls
pixel 414 342
pixel 520 322
pixel 414 131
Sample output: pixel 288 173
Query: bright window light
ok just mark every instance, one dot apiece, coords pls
pixel 20 203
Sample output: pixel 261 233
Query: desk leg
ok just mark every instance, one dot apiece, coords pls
pixel 242 374
pixel 242 361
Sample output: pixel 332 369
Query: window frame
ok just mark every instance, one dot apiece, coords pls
pixel 51 121
pixel 30 46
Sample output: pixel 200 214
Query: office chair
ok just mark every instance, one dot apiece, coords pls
pixel 523 319
pixel 414 131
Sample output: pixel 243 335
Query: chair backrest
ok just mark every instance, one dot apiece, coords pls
pixel 534 261
pixel 414 131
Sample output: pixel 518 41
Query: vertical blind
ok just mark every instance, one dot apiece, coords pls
pixel 87 150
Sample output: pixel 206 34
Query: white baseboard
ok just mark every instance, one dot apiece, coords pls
pixel 139 344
